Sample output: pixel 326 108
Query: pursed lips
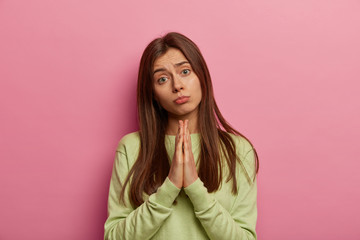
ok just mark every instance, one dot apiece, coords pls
pixel 181 99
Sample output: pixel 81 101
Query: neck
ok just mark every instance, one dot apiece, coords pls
pixel 173 123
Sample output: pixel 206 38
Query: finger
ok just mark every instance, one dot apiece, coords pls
pixel 183 135
pixel 188 136
pixel 180 137
pixel 177 137
pixel 189 140
pixel 186 144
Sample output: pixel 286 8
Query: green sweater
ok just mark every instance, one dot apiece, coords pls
pixel 196 214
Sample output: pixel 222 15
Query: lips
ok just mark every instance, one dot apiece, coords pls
pixel 181 100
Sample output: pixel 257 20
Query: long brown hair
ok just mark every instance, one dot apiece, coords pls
pixel 152 165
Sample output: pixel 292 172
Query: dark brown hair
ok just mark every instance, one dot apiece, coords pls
pixel 152 165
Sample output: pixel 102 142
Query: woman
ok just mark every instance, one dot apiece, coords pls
pixel 186 174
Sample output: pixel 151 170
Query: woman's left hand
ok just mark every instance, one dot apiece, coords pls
pixel 190 173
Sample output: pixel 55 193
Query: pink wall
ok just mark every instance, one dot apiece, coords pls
pixel 286 74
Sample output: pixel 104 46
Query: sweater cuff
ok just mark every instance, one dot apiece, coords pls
pixel 199 195
pixel 165 194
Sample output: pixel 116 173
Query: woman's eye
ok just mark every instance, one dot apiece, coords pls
pixel 186 71
pixel 162 79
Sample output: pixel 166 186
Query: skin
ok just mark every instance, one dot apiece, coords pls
pixel 173 77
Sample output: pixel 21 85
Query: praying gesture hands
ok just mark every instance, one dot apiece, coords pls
pixel 183 170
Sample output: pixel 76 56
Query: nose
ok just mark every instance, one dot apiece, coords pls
pixel 177 84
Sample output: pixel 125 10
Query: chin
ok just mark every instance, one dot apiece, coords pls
pixel 182 113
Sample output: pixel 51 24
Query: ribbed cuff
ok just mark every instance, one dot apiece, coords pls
pixel 166 194
pixel 199 195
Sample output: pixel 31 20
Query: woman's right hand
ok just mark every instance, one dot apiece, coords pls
pixel 176 173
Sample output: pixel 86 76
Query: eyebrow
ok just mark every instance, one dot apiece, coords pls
pixel 176 65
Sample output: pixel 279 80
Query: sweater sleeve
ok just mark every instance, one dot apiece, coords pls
pixel 125 222
pixel 238 223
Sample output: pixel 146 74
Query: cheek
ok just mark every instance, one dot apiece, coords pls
pixel 198 89
pixel 159 96
pixel 156 96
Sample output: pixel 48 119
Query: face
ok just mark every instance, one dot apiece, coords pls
pixel 176 86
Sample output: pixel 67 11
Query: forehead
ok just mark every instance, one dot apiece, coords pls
pixel 171 57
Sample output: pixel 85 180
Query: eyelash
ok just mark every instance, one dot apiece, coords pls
pixel 181 72
pixel 160 79
pixel 186 70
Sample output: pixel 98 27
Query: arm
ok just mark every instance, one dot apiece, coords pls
pixel 125 222
pixel 239 222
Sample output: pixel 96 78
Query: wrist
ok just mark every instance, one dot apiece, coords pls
pixel 190 181
pixel 176 182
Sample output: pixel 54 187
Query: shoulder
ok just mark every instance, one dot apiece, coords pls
pixel 246 153
pixel 242 144
pixel 129 144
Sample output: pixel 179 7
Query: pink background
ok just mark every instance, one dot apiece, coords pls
pixel 286 74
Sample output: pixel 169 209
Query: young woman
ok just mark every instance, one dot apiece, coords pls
pixel 186 174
